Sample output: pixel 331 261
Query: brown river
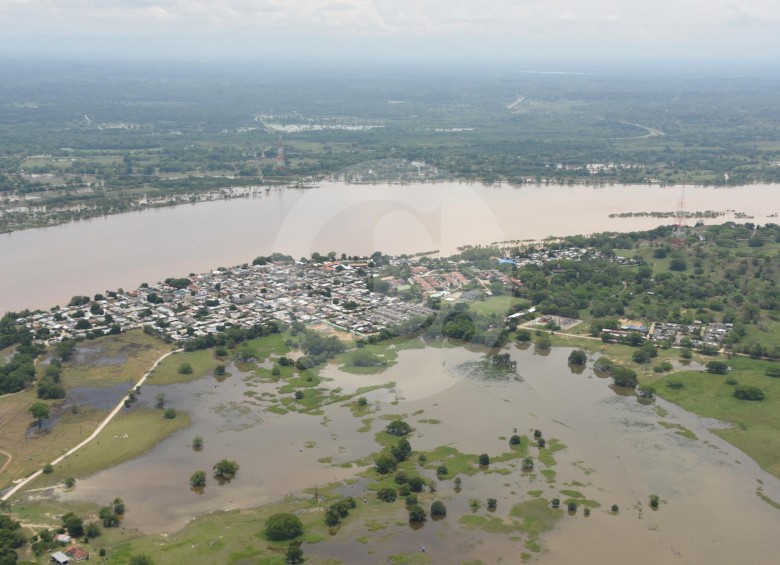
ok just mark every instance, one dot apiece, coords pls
pixel 616 453
pixel 43 267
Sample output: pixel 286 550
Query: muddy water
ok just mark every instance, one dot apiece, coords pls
pixel 128 249
pixel 616 451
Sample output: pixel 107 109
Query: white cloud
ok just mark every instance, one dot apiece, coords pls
pixel 567 19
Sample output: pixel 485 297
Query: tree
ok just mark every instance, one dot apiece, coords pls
pixel 401 450
pixel 615 508
pixel 197 443
pixel 415 484
pixel 623 376
pixel 283 526
pixel 198 479
pixel 220 371
pixel 492 503
pixel 39 411
pixel 417 514
pixel 332 517
pixel 69 482
pixel 159 401
pixel 398 428
pixel 578 357
pixel 109 517
pixel 528 464
pixel 294 553
pixel 169 414
pixel 225 469
pixel 555 502
pixel 73 524
pixel 438 508
pixel 385 463
pixel 571 506
pixel 386 494
pixel 441 471
pixel 523 336
pixel 484 459
pixel 514 440
pixel 93 530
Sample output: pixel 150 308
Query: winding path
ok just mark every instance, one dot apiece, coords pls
pixel 94 434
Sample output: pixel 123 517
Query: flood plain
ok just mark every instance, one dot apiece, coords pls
pixel 611 449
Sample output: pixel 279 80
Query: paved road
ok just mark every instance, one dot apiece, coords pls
pixel 102 425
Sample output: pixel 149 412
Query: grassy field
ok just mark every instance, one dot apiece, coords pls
pixel 131 354
pixel 132 433
pixel 113 359
pixel 29 455
pixel 167 372
pixel 495 305
pixel 757 424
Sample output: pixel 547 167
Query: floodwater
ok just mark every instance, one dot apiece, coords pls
pixel 124 250
pixel 616 453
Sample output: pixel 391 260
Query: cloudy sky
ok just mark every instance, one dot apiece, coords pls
pixel 718 27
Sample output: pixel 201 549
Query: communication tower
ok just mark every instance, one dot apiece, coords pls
pixel 680 228
pixel 279 166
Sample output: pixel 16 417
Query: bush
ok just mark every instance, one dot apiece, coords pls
pixel 185 369
pixel 441 470
pixel 411 500
pixel 654 501
pixel 623 376
pixel 48 469
pixel 386 494
pixel 514 440
pixel 717 367
pixel 417 514
pixel 615 508
pixel 484 459
pixel 170 414
pixel 283 526
pixel 225 469
pixel 675 384
pixel 555 503
pixel 748 393
pixel 438 508
pixel 198 479
pixel 571 506
pixel 578 357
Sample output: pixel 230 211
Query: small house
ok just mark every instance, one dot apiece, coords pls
pixel 60 558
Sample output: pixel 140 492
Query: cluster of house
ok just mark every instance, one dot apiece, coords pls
pixel 700 334
pixel 72 554
pixel 541 256
pixel 334 293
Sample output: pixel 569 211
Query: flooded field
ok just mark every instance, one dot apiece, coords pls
pixel 617 451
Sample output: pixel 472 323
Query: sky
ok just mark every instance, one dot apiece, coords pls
pixel 732 29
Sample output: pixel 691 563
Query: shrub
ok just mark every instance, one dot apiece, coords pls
pixel 438 508
pixel 654 501
pixel 615 508
pixel 441 470
pixel 484 459
pixel 514 440
pixel 198 479
pixel 387 494
pixel 578 357
pixel 225 469
pixel 170 413
pixel 185 369
pixel 748 393
pixel 417 514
